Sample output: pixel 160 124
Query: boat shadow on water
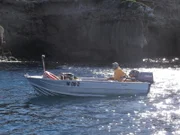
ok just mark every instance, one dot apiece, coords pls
pixel 53 100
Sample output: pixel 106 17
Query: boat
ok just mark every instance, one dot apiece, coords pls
pixel 67 84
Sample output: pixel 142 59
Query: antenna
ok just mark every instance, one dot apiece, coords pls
pixel 43 56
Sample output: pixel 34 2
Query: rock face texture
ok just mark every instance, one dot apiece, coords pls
pixel 91 30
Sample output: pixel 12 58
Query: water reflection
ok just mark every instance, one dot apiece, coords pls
pixel 22 112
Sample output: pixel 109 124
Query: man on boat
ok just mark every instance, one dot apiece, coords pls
pixel 119 74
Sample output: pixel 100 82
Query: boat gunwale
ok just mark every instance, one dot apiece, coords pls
pixel 94 81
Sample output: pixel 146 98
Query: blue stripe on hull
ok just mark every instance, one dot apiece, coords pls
pixel 41 91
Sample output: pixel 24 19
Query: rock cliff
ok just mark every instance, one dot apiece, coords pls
pixel 91 30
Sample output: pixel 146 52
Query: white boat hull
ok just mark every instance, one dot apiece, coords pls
pixel 86 87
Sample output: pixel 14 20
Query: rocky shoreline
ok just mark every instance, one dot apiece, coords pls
pixel 91 30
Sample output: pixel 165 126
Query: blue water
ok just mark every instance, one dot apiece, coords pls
pixel 21 112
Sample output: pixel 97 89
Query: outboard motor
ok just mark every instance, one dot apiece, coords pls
pixel 142 76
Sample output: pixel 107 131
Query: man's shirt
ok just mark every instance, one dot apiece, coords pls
pixel 118 74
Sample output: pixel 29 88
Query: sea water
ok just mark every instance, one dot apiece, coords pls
pixel 22 112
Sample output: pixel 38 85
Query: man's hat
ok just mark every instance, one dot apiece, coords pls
pixel 115 65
